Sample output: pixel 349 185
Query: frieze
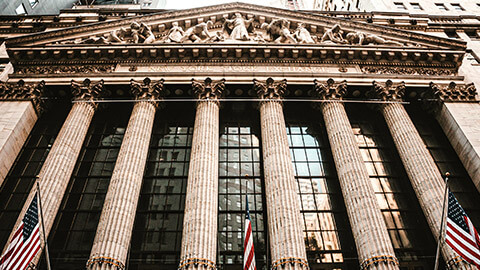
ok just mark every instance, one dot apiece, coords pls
pixel 65 69
pixel 247 68
pixel 407 70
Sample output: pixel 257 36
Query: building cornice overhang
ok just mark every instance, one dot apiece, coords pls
pixel 192 14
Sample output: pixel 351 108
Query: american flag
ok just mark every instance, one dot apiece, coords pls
pixel 25 242
pixel 460 233
pixel 249 252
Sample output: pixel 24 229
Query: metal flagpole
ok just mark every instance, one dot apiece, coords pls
pixel 39 200
pixel 437 255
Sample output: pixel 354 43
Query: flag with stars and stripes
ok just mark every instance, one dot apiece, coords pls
pixel 248 252
pixel 25 242
pixel 460 233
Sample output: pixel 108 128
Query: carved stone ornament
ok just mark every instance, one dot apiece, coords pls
pixel 24 91
pixel 407 70
pixel 87 90
pixel 65 69
pixel 270 90
pixel 147 89
pixel 330 90
pixel 451 92
pixel 208 89
pixel 339 36
pixel 388 91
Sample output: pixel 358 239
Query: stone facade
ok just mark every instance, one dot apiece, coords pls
pixel 148 61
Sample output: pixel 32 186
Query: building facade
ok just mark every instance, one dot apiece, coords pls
pixel 146 131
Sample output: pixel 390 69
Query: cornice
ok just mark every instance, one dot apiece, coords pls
pixel 242 7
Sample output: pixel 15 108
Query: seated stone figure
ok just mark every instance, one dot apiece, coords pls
pixel 360 38
pixel 198 32
pixel 335 35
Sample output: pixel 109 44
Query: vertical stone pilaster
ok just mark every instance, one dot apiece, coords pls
pixel 374 247
pixel 60 162
pixel 287 244
pixel 199 239
pixel 422 171
pixel 20 106
pixel 114 231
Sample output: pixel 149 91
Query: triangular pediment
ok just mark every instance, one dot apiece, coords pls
pixel 234 23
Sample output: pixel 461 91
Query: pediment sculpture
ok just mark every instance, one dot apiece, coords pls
pixel 235 28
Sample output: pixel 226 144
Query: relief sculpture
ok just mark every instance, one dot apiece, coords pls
pixel 235 28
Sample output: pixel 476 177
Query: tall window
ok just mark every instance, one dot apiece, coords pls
pixel 22 175
pixel 327 232
pixel 157 234
pixel 392 189
pixel 76 223
pixel 239 157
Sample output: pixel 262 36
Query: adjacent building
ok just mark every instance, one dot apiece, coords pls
pixel 147 129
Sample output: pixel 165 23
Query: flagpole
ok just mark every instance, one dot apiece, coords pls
pixel 437 255
pixel 47 255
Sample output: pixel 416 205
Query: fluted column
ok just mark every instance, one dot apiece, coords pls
pixel 60 162
pixel 422 171
pixel 287 244
pixel 374 247
pixel 114 231
pixel 199 239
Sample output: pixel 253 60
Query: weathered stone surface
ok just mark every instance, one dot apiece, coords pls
pixel 287 243
pixel 17 119
pixel 368 225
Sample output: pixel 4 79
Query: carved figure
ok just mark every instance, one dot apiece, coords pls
pixel 279 31
pixel 365 39
pixel 141 33
pixel 198 32
pixel 303 35
pixel 175 34
pixel 335 35
pixel 238 28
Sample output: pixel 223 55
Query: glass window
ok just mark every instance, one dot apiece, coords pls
pixel 33 3
pixel 457 6
pixel 20 10
pixel 416 6
pixel 76 222
pixel 21 177
pixel 400 5
pixel 441 6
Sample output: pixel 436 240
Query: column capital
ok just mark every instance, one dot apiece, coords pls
pixel 387 91
pixel 24 91
pixel 270 90
pixel 437 94
pixel 330 90
pixel 87 90
pixel 208 89
pixel 147 90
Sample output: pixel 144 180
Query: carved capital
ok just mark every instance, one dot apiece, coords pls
pixel 87 90
pixel 24 91
pixel 330 90
pixel 452 92
pixel 208 89
pixel 270 90
pixel 147 89
pixel 387 91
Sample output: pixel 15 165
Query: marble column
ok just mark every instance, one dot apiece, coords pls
pixel 422 171
pixel 287 244
pixel 374 247
pixel 20 107
pixel 114 231
pixel 60 162
pixel 199 239
pixel 458 112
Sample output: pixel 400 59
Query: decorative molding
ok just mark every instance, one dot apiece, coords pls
pixel 147 89
pixel 407 70
pixel 330 90
pixel 452 92
pixel 57 69
pixel 270 90
pixel 87 90
pixel 208 89
pixel 24 91
pixel 387 91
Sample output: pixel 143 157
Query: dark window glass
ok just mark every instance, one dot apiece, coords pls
pixel 326 227
pixel 22 175
pixel 240 156
pixel 157 233
pixel 76 223
pixel 413 247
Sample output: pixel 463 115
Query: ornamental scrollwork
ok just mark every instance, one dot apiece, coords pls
pixel 147 89
pixel 452 92
pixel 65 69
pixel 270 90
pixel 330 90
pixel 24 91
pixel 407 70
pixel 208 89
pixel 387 91
pixel 87 90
